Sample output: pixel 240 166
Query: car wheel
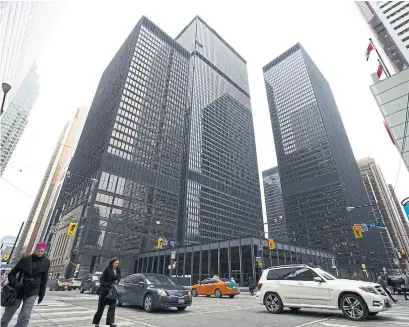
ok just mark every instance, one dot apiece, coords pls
pixel 194 293
pixel 81 290
pixel 353 307
pixel 231 296
pixel 182 308
pixel 218 293
pixel 91 290
pixel 295 309
pixel 148 303
pixel 372 313
pixel 207 295
pixel 51 289
pixel 273 303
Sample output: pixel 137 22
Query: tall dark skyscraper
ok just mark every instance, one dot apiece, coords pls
pixel 132 143
pixel 222 189
pixel 167 150
pixel 318 172
pixel 277 227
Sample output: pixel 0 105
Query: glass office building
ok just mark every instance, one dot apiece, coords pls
pixel 273 197
pixel 235 258
pixel 132 143
pixel 318 172
pixel 222 190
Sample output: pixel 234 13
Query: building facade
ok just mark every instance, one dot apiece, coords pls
pixel 401 215
pixel 391 94
pixel 318 172
pixel 229 258
pixel 384 208
pixel 14 120
pixel 24 28
pixel 221 191
pixel 28 235
pixel 389 22
pixel 273 197
pixel 132 143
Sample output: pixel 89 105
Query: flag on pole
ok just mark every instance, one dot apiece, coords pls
pixel 379 71
pixel 368 51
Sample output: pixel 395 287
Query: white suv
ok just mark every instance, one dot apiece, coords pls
pixel 303 286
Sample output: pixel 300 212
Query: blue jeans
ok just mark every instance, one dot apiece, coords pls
pixel 25 313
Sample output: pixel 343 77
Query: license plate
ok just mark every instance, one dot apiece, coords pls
pixel 181 301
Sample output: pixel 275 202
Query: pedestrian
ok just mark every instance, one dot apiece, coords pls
pixel 31 282
pixel 252 285
pixel 110 276
pixel 383 281
pixel 405 286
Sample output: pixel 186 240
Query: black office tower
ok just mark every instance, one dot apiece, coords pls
pixel 222 190
pixel 132 143
pixel 318 172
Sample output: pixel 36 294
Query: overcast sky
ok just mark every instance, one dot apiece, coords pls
pixel 89 33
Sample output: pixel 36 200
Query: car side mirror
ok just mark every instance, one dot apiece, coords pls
pixel 318 280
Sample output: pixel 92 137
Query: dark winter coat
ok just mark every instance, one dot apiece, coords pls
pixel 252 284
pixel 108 278
pixel 30 276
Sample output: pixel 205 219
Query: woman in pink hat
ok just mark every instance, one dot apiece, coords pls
pixel 29 278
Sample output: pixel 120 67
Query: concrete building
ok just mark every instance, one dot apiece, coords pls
pixel 273 197
pixel 44 203
pixel 401 214
pixel 24 27
pixel 389 22
pixel 384 208
pixel 391 94
pixel 318 172
pixel 14 120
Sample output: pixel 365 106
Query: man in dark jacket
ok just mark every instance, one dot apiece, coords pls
pixel 31 282
pixel 252 285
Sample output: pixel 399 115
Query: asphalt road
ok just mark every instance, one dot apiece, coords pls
pixel 71 309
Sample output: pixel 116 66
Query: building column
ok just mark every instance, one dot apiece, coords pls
pixel 241 264
pixel 278 256
pixel 153 263
pixel 218 259
pixel 143 265
pixel 229 258
pixel 191 266
pixel 164 264
pixel 184 263
pixel 137 265
pixel 209 262
pixel 253 259
pixel 200 262
pixel 291 255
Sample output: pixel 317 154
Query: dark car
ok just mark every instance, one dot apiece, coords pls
pixel 395 282
pixel 91 283
pixel 153 291
pixel 61 284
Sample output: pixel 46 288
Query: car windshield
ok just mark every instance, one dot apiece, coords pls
pixel 159 280
pixel 326 275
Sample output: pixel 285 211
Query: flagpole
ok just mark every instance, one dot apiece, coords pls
pixel 387 73
pixel 380 64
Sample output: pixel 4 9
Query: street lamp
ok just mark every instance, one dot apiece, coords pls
pixel 6 88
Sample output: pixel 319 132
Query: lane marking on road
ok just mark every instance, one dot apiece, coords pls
pixel 136 322
pixel 334 325
pixel 313 322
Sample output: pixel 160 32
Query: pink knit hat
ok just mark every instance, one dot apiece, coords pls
pixel 41 245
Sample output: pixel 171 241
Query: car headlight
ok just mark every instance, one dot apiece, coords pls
pixel 162 292
pixel 368 289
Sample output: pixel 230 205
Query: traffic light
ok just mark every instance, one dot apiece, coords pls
pixel 174 264
pixel 160 243
pixel 259 263
pixel 271 244
pixel 357 231
pixel 403 252
pixel 72 228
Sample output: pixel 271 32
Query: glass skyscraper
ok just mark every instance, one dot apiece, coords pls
pixel 273 197
pixel 318 172
pixel 222 191
pixel 167 151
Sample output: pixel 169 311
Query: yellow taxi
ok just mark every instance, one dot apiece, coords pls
pixel 217 287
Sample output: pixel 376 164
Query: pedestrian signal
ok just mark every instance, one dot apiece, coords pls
pixel 357 231
pixel 160 243
pixel 174 264
pixel 271 244
pixel 72 228
pixel 403 252
pixel 259 263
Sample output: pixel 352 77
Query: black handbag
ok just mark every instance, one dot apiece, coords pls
pixel 8 296
pixel 115 292
pixel 9 293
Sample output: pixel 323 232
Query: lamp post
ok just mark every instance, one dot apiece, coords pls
pixel 6 88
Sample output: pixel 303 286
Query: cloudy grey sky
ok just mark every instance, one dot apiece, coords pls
pixel 89 33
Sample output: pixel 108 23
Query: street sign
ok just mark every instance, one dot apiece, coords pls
pixel 364 227
pixel 260 247
pixel 173 255
pixel 169 266
pixel 165 242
